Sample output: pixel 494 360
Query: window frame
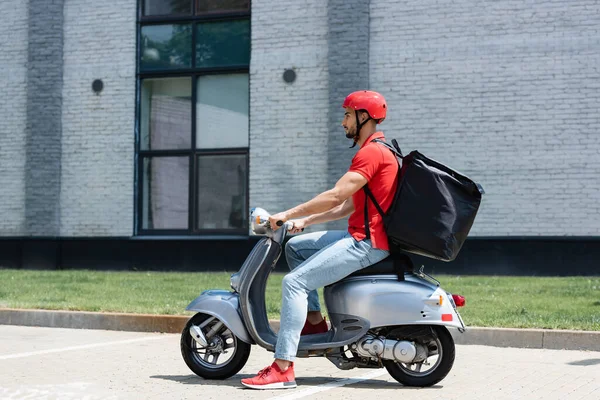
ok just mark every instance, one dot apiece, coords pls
pixel 142 8
pixel 192 17
pixel 193 152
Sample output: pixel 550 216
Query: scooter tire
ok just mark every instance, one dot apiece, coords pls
pixel 443 368
pixel 232 367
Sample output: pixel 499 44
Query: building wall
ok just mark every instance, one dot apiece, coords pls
pixel 298 148
pixel 288 122
pixel 506 92
pixel 13 113
pixel 97 186
pixel 43 130
pixel 348 59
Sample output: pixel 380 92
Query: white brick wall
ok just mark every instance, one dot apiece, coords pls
pixel 506 92
pixel 288 122
pixel 98 130
pixel 13 113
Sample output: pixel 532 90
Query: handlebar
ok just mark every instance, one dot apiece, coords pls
pixel 288 225
pixel 260 221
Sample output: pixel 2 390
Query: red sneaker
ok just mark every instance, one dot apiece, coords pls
pixel 272 378
pixel 310 329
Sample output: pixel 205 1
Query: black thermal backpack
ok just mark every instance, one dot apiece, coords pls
pixel 433 208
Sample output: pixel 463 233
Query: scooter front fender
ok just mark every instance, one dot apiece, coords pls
pixel 225 306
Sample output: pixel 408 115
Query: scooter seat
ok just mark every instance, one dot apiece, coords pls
pixel 386 267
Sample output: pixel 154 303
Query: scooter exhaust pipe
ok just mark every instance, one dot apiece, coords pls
pixel 398 350
pixel 198 336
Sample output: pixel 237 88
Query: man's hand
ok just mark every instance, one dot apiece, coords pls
pixel 299 225
pixel 273 219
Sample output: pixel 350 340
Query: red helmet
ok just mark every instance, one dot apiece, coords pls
pixel 372 102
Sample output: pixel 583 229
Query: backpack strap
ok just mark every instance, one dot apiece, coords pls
pixel 367 228
pixel 369 195
pixel 375 203
pixel 402 263
pixel 395 143
pixel 394 149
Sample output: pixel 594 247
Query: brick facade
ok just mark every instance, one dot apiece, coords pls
pixel 506 92
pixel 43 129
pixel 97 181
pixel 13 116
pixel 288 122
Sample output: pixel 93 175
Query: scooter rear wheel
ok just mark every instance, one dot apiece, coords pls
pixel 411 374
pixel 225 355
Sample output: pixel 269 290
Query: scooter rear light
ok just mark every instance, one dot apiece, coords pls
pixel 459 300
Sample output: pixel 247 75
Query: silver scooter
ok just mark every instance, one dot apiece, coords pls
pixel 377 320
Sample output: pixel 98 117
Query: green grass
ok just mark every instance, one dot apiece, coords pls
pixel 520 302
pixel 529 302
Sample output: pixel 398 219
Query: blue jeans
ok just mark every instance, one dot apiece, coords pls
pixel 316 260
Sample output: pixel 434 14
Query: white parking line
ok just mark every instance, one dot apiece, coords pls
pixel 84 346
pixel 331 385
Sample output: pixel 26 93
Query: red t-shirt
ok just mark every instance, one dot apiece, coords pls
pixel 379 166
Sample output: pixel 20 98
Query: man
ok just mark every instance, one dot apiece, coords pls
pixel 322 258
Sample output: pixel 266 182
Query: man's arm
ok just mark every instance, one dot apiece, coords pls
pixel 348 184
pixel 341 211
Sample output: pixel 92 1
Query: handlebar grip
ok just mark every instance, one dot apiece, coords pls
pixel 280 223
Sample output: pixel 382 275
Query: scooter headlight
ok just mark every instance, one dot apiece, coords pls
pixel 258 221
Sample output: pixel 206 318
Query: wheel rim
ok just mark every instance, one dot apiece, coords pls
pixel 222 345
pixel 433 361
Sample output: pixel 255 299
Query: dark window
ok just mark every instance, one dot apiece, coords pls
pixel 222 191
pixel 221 6
pixel 193 117
pixel 166 47
pixel 167 7
pixel 223 44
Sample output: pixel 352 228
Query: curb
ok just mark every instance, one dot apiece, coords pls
pixel 94 320
pixel 497 337
pixel 530 338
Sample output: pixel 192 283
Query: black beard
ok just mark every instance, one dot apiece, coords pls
pixel 350 133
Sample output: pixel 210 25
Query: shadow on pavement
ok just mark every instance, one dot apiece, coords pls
pixel 305 382
pixel 381 384
pixel 591 361
pixel 196 380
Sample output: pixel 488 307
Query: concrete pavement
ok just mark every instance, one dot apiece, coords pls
pixel 56 363
pixel 501 337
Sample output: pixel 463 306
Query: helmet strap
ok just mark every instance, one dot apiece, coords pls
pixel 359 126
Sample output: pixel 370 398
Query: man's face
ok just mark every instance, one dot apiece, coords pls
pixel 349 122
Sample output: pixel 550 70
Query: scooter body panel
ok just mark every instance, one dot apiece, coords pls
pixel 383 300
pixel 225 306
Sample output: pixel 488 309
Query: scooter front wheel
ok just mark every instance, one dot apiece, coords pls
pixel 223 356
